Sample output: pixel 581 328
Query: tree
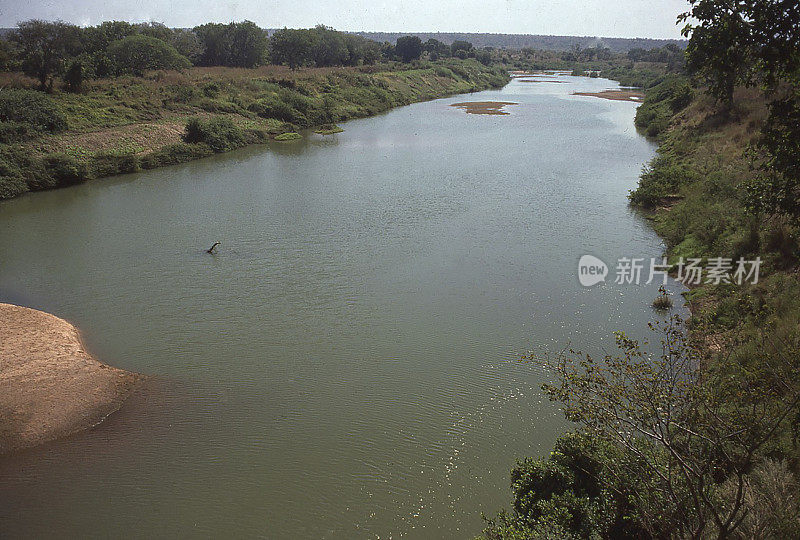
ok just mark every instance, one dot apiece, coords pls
pixel 679 436
pixel 6 55
pixel 329 47
pixel 291 47
pixel 241 44
pixel 73 77
pixel 461 45
pixel 155 30
pixel 776 190
pixel 436 48
pixel 248 45
pixel 408 48
pixel 187 44
pixel 137 54
pixel 720 49
pixel 45 48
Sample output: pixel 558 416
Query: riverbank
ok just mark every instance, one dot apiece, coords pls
pixel 50 387
pixel 127 124
pixel 741 415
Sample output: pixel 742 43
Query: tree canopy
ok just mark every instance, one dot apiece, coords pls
pixel 138 53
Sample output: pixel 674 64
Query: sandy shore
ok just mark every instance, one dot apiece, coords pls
pixel 616 95
pixel 49 385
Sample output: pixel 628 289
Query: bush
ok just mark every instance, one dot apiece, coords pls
pixel 220 133
pixel 174 154
pixel 11 181
pixel 276 108
pixel 442 71
pixel 107 164
pixel 64 170
pixel 11 132
pixel 566 495
pixel 291 136
pixel 31 108
pixel 12 186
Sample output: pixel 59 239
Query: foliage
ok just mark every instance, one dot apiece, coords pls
pixel 408 48
pixel 241 44
pixel 777 189
pixel 219 133
pixel 290 136
pixel 139 53
pixel 23 112
pixel 175 153
pixel 673 437
pixel 45 47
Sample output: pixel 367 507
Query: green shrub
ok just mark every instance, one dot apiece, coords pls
pixel 183 93
pixel 11 181
pixel 220 133
pixel 12 186
pixel 291 136
pixel 31 108
pixel 442 71
pixel 175 153
pixel 274 107
pixel 212 89
pixel 64 170
pixel 567 495
pixel 11 132
pixel 108 164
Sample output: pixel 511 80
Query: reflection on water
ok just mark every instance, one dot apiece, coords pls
pixel 346 364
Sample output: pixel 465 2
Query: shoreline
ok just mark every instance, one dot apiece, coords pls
pixel 50 386
pixel 262 103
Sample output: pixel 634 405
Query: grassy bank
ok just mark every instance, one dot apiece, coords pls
pixel 165 117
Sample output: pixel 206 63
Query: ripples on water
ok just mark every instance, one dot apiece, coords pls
pixel 347 364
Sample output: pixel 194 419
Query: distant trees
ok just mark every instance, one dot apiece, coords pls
pixel 436 49
pixel 461 49
pixel 241 44
pixel 138 53
pixel 45 47
pixel 291 47
pixel 47 50
pixel 321 46
pixel 408 48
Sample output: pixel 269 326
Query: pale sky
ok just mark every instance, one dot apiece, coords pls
pixel 607 18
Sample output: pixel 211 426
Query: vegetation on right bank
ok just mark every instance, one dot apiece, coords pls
pixel 701 439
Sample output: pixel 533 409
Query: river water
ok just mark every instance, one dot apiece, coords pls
pixel 346 366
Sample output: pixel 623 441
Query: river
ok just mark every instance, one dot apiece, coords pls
pixel 346 366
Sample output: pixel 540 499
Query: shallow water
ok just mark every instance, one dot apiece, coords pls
pixel 346 366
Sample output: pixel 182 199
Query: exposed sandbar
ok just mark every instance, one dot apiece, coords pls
pixel 483 107
pixel 616 95
pixel 50 386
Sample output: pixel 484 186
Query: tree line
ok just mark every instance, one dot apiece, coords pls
pixel 49 50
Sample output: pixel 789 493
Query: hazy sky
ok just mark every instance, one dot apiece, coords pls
pixel 609 18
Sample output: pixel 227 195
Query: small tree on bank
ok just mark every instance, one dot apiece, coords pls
pixel 680 434
pixel 45 48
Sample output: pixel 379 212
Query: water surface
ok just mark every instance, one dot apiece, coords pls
pixel 346 365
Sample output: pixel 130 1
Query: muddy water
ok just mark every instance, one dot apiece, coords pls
pixel 346 365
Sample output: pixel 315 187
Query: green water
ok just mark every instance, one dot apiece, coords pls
pixel 346 365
